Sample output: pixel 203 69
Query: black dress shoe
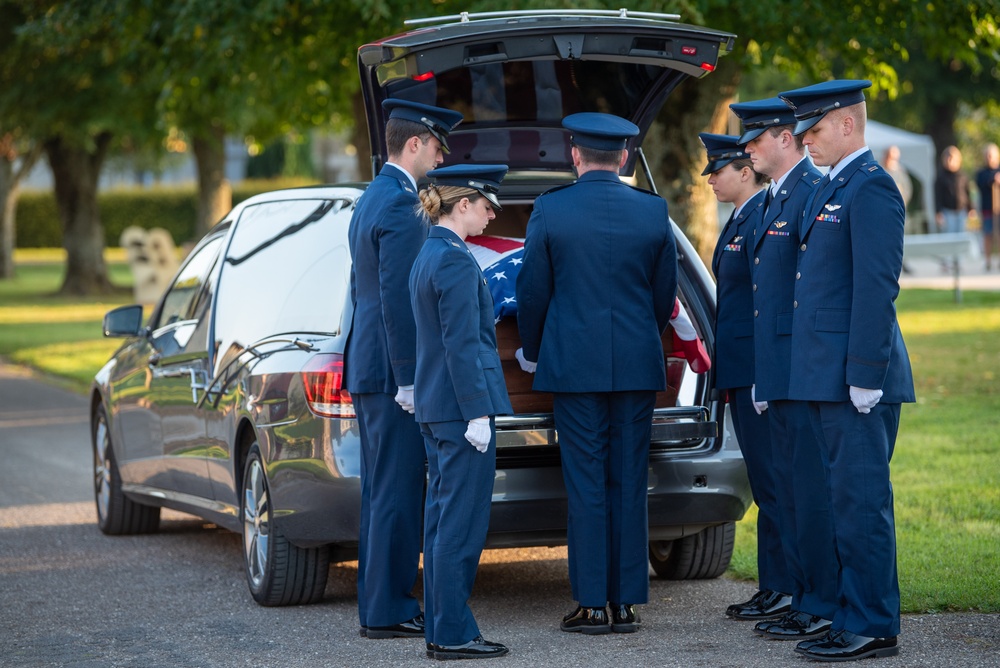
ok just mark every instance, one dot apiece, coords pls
pixel 477 648
pixel 806 644
pixel 413 628
pixel 364 631
pixel 847 646
pixel 746 604
pixel 431 648
pixel 624 618
pixel 765 604
pixel 591 621
pixel 793 626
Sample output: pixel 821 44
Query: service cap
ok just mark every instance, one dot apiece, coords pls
pixel 604 132
pixel 722 150
pixel 812 103
pixel 484 178
pixel 759 115
pixel 439 121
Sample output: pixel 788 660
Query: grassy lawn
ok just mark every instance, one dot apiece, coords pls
pixel 945 471
pixel 57 335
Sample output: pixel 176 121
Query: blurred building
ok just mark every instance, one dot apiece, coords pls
pixel 334 160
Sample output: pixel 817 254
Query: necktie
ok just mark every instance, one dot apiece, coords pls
pixel 767 201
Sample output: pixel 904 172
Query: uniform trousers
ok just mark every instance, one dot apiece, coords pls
pixel 805 515
pixel 604 443
pixel 753 432
pixel 392 492
pixel 456 519
pixel 857 448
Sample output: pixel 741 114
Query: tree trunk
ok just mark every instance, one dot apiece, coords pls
pixel 677 157
pixel 359 137
pixel 10 181
pixel 942 127
pixel 76 171
pixel 8 211
pixel 215 195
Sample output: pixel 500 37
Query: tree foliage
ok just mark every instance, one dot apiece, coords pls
pixel 88 75
pixel 923 56
pixel 68 84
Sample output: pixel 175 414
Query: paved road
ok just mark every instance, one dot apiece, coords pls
pixel 70 596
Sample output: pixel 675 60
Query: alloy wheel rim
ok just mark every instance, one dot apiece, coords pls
pixel 661 549
pixel 256 523
pixel 102 468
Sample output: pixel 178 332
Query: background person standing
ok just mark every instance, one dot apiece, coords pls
pixel 988 182
pixel 849 362
pixel 899 174
pixel 595 293
pixel 458 389
pixel 951 193
pixel 385 236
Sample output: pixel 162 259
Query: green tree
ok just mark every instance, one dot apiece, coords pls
pixel 17 154
pixel 17 158
pixel 70 84
pixel 78 75
pixel 260 69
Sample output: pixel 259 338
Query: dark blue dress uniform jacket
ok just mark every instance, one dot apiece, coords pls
pixel 844 325
pixel 385 236
pixel 593 300
pixel 774 252
pixel 734 362
pixel 458 374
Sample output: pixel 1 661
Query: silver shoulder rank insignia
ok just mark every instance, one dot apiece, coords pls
pixel 455 245
pixel 780 224
pixel 831 207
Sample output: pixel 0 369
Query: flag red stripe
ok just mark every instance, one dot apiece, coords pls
pixel 497 244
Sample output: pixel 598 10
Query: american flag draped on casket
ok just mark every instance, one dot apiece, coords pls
pixel 500 259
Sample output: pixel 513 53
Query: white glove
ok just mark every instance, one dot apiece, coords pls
pixel 864 400
pixel 479 433
pixel 759 406
pixel 525 364
pixel 404 397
